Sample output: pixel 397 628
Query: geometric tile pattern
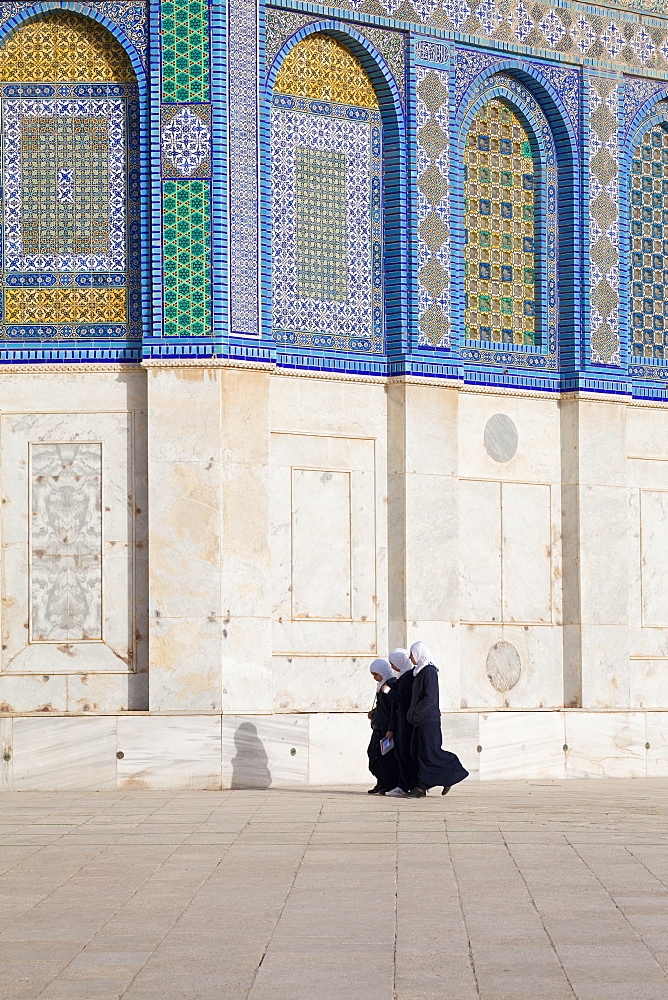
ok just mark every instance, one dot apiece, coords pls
pixel 185 51
pixel 327 195
pixel 244 194
pixel 604 153
pixel 501 264
pixel 70 166
pixel 649 245
pixel 186 258
pixel 433 208
pixel 322 69
pixel 186 140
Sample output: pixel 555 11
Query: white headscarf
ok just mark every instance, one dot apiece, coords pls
pixel 385 670
pixel 422 656
pixel 400 659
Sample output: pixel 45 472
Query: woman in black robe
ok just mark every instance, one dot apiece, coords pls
pixel 383 766
pixel 435 766
pixel 400 696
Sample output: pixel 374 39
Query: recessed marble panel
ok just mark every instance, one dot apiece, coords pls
pixel 430 509
pixel 527 552
pixel 657 737
pixel 175 752
pixel 64 754
pixel 606 745
pixel 603 516
pixel 322 683
pixel 648 683
pixel 263 751
pixel 337 749
pixel 321 544
pixel 605 666
pixel 185 664
pixel 33 692
pixel 6 752
pixel 521 745
pixel 654 556
pixel 480 551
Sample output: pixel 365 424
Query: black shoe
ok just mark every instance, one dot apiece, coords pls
pixel 446 789
pixel 376 791
pixel 417 793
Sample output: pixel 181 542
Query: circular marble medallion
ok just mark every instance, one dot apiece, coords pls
pixel 504 666
pixel 500 437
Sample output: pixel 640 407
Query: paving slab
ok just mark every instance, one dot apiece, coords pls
pixel 542 890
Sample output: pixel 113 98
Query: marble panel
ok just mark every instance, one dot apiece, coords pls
pixel 535 680
pixel 443 638
pixel 322 638
pixel 33 692
pixel 184 414
pixel 480 551
pixel 175 752
pixel 64 754
pixel 185 539
pixel 526 512
pixel 648 474
pixel 654 556
pixel 6 753
pixel 245 416
pixel 321 406
pixel 246 547
pixel 60 391
pixel 261 751
pixel 537 458
pixel 605 666
pixel 337 749
pixel 321 545
pixel 634 562
pixel 603 516
pixel 431 556
pixel 461 736
pixel 521 745
pixel 93 693
pixel 657 737
pixel 246 665
pixel 602 452
pixel 322 683
pixel 646 431
pixel 648 683
pixel 430 430
pixel 605 745
pixel 185 664
pixel 66 438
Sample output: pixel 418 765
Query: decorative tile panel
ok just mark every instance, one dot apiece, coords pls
pixel 433 209
pixel 604 125
pixel 186 140
pixel 70 166
pixel 502 253
pixel 185 50
pixel 244 186
pixel 649 245
pixel 327 196
pixel 186 224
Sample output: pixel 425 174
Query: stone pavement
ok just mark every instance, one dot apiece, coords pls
pixel 505 891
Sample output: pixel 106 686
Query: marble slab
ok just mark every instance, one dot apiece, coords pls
pixel 521 745
pixel 64 754
pixel 461 736
pixel 337 749
pixel 175 752
pixel 322 683
pixel 265 751
pixel 6 767
pixel 657 737
pixel 33 693
pixel 606 745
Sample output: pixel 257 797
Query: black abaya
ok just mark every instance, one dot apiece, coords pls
pixel 383 767
pixel 435 766
pixel 400 696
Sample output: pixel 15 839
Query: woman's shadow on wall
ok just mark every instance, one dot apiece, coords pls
pixel 250 763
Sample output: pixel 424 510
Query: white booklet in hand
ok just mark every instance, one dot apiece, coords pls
pixel 386 745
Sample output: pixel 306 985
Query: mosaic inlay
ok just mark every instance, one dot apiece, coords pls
pixel 326 155
pixel 502 258
pixel 185 50
pixel 70 165
pixel 186 224
pixel 649 245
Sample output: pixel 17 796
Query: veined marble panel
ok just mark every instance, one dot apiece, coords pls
pixel 177 752
pixel 321 545
pixel 263 751
pixel 606 745
pixel 186 652
pixel 6 750
pixel 511 666
pixel 521 745
pixel 461 736
pixel 64 754
pixel 648 683
pixel 654 556
pixel 78 534
pixel 33 692
pixel 337 749
pixel 657 737
pixel 65 542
